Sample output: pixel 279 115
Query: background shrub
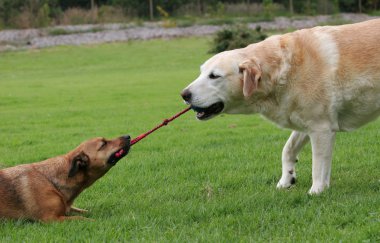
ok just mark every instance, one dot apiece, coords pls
pixel 235 37
pixel 111 14
pixel 74 16
pixel 42 13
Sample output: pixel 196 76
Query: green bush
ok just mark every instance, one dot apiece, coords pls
pixel 43 18
pixel 236 37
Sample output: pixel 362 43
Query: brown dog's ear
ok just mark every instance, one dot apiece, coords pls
pixel 251 76
pixel 80 161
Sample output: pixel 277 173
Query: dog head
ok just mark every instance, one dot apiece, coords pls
pixel 96 156
pixel 231 80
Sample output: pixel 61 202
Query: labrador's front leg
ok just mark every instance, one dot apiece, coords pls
pixel 322 144
pixel 293 146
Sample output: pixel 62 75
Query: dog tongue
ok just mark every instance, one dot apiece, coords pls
pixel 118 154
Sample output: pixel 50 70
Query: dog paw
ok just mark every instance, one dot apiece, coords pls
pixel 286 182
pixel 78 210
pixel 317 189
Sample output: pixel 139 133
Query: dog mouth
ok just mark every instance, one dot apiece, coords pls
pixel 119 154
pixel 204 113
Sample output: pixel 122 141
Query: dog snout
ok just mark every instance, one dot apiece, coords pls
pixel 126 142
pixel 186 95
pixel 127 137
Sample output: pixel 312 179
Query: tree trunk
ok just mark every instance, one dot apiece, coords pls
pixel 291 9
pixel 308 7
pixel 360 6
pixel 200 7
pixel 93 15
pixel 151 9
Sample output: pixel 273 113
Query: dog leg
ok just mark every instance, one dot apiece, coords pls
pixel 322 144
pixel 290 151
pixel 78 210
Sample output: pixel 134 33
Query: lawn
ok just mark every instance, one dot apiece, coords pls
pixel 191 181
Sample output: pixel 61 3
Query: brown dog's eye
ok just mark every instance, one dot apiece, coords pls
pixel 104 143
pixel 213 76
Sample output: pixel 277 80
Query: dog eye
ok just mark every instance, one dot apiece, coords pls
pixel 104 143
pixel 213 76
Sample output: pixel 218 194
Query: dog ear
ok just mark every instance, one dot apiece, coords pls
pixel 80 161
pixel 251 77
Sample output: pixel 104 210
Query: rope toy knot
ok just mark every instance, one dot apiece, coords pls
pixel 165 122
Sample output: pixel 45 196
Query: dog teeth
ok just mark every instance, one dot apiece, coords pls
pixel 200 114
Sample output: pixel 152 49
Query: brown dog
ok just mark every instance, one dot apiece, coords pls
pixel 46 190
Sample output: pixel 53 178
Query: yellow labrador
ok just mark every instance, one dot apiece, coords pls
pixel 316 81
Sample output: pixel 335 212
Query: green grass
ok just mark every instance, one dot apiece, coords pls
pixel 190 181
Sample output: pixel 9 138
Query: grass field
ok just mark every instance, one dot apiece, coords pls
pixel 191 181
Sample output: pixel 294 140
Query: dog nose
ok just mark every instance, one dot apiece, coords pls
pixel 186 95
pixel 127 137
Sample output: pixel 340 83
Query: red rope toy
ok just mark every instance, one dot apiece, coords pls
pixel 164 123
